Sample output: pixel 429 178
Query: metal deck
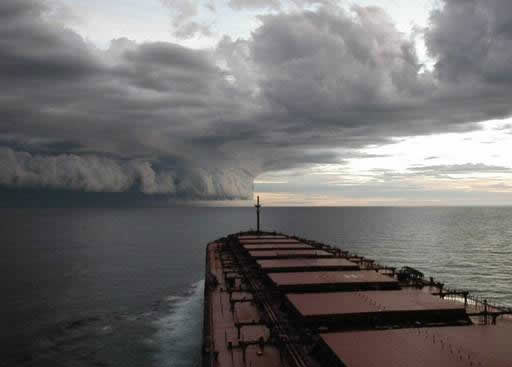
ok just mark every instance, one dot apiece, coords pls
pixel 234 334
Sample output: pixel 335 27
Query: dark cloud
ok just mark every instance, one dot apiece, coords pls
pixel 135 107
pixel 342 68
pixel 357 75
pixel 98 174
pixel 305 88
pixel 472 43
pixel 286 160
pixel 472 40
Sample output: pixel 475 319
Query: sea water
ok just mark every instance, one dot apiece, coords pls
pixel 123 287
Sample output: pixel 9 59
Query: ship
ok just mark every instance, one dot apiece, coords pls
pixel 275 300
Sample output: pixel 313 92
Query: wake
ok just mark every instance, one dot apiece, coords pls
pixel 179 334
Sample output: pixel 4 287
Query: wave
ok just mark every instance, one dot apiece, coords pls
pixel 179 335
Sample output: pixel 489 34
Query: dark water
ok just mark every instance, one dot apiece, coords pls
pixel 122 287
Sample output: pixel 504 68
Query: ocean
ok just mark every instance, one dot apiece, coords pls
pixel 123 287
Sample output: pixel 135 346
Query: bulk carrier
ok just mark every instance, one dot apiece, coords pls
pixel 275 300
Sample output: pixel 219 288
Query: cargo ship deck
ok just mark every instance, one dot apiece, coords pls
pixel 275 300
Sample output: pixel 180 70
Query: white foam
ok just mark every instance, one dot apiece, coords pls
pixel 179 334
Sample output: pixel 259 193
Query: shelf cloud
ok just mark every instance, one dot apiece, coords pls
pixel 97 174
pixel 161 118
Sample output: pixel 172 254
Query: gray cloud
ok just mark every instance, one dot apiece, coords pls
pixel 472 43
pixel 388 187
pixel 357 77
pixel 472 40
pixel 143 102
pixel 97 174
pixel 184 14
pixel 397 193
pixel 468 168
pixel 255 4
pixel 162 118
pixel 273 4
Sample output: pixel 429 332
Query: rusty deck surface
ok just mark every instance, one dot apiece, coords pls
pixel 283 254
pixel 461 346
pixel 278 246
pixel 292 265
pixel 329 280
pixel 237 338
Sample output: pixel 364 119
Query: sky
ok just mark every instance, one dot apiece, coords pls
pixel 302 102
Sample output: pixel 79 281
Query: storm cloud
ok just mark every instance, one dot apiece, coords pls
pixel 160 118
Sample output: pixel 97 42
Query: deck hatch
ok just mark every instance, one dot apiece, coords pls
pixel 354 309
pixel 269 241
pixel 278 246
pixel 312 264
pixel 277 254
pixel 332 281
pixel 462 346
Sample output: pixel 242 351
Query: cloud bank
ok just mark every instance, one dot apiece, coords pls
pixel 160 118
pixel 97 174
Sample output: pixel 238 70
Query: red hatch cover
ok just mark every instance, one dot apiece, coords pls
pixel 333 281
pixel 289 265
pixel 459 346
pixel 278 246
pixel 277 254
pixel 267 241
pixel 352 309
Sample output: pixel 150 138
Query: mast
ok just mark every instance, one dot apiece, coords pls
pixel 258 206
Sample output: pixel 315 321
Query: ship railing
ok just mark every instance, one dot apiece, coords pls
pixel 364 262
pixel 208 352
pixel 475 305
